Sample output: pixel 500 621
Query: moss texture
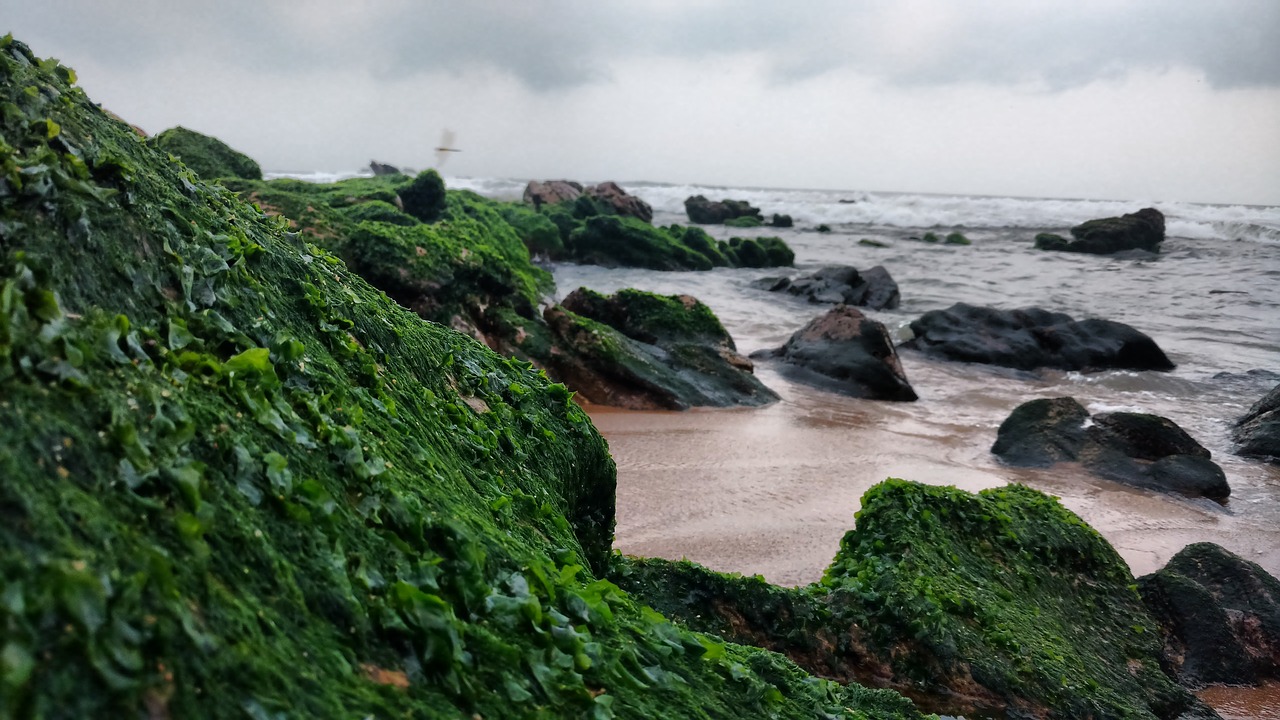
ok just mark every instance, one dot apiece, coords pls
pixel 207 157
pixel 1001 603
pixel 241 482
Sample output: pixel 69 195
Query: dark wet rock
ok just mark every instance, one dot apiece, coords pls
pixel 842 284
pixel 379 169
pixel 1042 432
pixel 638 350
pixel 1031 338
pixel 845 351
pixel 708 212
pixel 1220 616
pixel 1258 432
pixel 1137 449
pixel 970 604
pixel 1143 230
pixel 207 156
pixel 781 221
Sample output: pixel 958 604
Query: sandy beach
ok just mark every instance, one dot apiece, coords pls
pixel 771 491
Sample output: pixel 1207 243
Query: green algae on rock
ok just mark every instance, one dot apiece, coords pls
pixel 208 157
pixel 997 603
pixel 240 481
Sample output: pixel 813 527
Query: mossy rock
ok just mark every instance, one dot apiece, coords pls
pixel 615 241
pixel 1000 603
pixel 762 252
pixel 378 211
pixel 745 221
pixel 208 157
pixel 538 231
pixel 956 238
pixel 240 481
pixel 424 196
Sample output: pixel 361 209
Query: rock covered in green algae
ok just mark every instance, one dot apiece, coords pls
pixel 207 156
pixel 639 350
pixel 1000 603
pixel 1220 613
pixel 238 481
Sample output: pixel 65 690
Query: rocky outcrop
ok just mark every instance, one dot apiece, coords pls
pixel 555 192
pixel 845 351
pixel 709 212
pixel 642 351
pixel 1220 617
pixel 378 169
pixel 1137 449
pixel 208 157
pixel 1258 432
pixel 842 284
pixel 974 605
pixel 1031 338
pixel 1143 230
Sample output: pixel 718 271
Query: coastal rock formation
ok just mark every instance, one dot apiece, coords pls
pixel 208 157
pixel 378 169
pixel 1258 432
pixel 841 284
pixel 1220 616
pixel 555 192
pixel 709 212
pixel 1143 230
pixel 1031 338
pixel 845 351
pixel 1137 449
pixel 643 351
pixel 970 604
pixel 614 241
pixel 239 481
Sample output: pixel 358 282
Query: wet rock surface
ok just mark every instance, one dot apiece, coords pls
pixel 1143 230
pixel 1137 449
pixel 845 351
pixel 873 288
pixel 1258 431
pixel 1030 338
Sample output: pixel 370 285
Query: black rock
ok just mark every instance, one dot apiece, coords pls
pixel 845 351
pixel 842 284
pixel 1138 449
pixel 1220 616
pixel 1258 432
pixel 1143 230
pixel 1031 338
pixel 708 212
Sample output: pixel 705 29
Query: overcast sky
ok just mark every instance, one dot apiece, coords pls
pixel 1118 99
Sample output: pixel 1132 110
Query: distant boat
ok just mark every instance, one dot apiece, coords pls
pixel 445 147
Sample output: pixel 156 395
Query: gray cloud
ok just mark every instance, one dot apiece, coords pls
pixel 555 44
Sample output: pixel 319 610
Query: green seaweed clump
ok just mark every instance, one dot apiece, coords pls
pixel 208 157
pixel 744 221
pixel 998 603
pixel 238 481
pixel 424 196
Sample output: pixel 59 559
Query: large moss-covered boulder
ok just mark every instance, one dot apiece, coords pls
pixel 639 350
pixel 1031 338
pixel 207 156
pixel 1258 431
pixel 1137 449
pixel 241 482
pixel 1142 230
pixel 1220 614
pixel 999 604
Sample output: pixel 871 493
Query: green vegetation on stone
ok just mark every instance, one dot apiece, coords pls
pixel 241 482
pixel 208 157
pixel 744 221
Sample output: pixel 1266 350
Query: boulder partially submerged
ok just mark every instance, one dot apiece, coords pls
pixel 999 604
pixel 845 351
pixel 1220 615
pixel 841 284
pixel 1031 338
pixel 1143 230
pixel 641 351
pixel 1137 449
pixel 714 212
pixel 556 192
pixel 1258 431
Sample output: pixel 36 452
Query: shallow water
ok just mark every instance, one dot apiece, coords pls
pixel 770 491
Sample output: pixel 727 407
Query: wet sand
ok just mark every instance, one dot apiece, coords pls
pixel 771 491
